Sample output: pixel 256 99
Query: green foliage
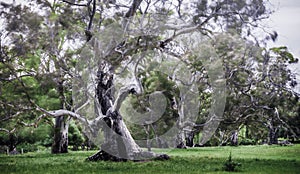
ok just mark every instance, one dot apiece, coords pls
pixel 253 81
pixel 75 136
pixel 26 147
pixel 28 138
pixel 34 60
pixel 284 53
pixel 154 81
pixel 247 141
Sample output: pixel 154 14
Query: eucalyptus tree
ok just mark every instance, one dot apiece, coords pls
pixel 207 18
pixel 123 37
pixel 277 87
pixel 258 89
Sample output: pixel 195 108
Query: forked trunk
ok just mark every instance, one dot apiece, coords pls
pixel 118 143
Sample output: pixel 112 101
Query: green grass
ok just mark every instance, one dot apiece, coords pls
pixel 254 159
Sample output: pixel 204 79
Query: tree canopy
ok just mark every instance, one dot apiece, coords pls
pixel 144 73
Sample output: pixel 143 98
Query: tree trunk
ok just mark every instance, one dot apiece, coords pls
pixel 180 140
pixel 159 143
pixel 273 138
pixel 12 142
pixel 61 127
pixel 190 139
pixel 148 142
pixel 60 140
pixel 234 138
pixel 118 143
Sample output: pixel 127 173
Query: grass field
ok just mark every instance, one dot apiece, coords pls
pixel 254 159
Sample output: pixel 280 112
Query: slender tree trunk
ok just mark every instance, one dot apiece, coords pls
pixel 180 141
pixel 247 132
pixel 159 143
pixel 234 138
pixel 147 130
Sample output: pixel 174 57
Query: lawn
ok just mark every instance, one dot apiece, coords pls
pixel 254 159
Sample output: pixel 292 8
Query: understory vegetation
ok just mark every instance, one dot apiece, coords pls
pixel 254 159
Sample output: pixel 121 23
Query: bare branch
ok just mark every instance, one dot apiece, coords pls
pixel 134 6
pixel 10 117
pixel 283 122
pixel 35 123
pixel 61 112
pixel 82 106
pixel 92 12
pixel 8 131
pixel 123 93
pixel 72 3
pixel 139 85
pixel 188 28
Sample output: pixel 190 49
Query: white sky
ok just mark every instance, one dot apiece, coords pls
pixel 286 21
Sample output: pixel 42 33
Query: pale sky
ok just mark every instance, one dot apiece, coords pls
pixel 286 21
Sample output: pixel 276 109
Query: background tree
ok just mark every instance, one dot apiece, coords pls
pixel 252 88
pixel 39 57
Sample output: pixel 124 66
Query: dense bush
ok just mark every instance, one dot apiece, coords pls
pixel 27 138
pixel 75 136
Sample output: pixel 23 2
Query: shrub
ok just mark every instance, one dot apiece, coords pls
pixel 230 165
pixel 247 141
pixel 27 147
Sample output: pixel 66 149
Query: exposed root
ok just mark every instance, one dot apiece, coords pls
pixel 141 156
pixel 104 156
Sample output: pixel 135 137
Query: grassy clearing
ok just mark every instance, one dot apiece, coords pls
pixel 254 159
